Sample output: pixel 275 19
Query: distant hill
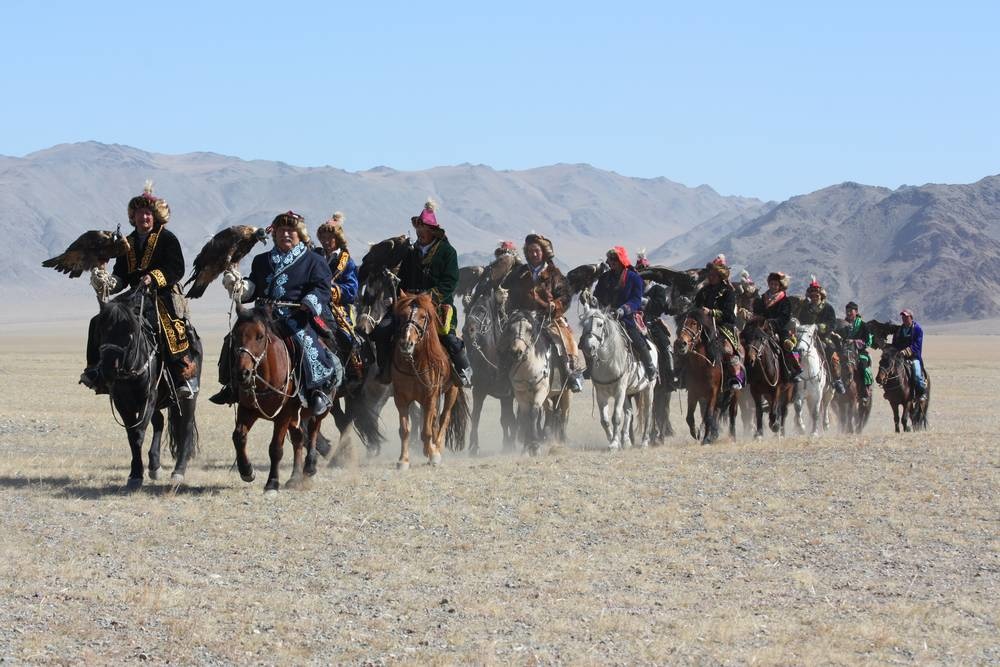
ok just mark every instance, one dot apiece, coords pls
pixel 48 198
pixel 934 248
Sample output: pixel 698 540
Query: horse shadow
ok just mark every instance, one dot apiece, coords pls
pixel 70 487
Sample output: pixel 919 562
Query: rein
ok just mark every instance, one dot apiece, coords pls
pixel 601 342
pixel 259 379
pixel 421 330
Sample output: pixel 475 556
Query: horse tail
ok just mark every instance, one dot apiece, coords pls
pixel 459 423
pixel 367 424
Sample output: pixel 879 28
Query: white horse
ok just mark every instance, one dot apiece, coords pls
pixel 617 376
pixel 813 387
pixel 537 380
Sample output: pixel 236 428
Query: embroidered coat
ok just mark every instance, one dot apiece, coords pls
pixel 528 292
pixel 436 272
pixel 344 288
pixel 776 309
pixel 303 277
pixel 621 290
pixel 160 257
pixel 721 300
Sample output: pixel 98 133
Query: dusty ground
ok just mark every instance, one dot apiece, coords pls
pixel 881 548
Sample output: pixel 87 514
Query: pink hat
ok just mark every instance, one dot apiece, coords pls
pixel 906 313
pixel 427 216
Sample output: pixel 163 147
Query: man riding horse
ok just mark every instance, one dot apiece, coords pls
pixel 819 311
pixel 855 332
pixel 540 286
pixel 716 303
pixel 773 308
pixel 153 259
pixel 343 293
pixel 621 289
pixel 909 340
pixel 289 274
pixel 655 306
pixel 431 266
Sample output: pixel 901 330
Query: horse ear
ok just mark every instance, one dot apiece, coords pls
pixel 403 293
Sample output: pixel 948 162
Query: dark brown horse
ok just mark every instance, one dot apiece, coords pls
pixel 264 376
pixel 421 373
pixel 768 385
pixel 895 378
pixel 703 379
pixel 854 406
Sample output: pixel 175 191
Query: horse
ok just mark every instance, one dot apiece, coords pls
pixel 421 373
pixel 617 377
pixel 536 377
pixel 894 376
pixel 854 405
pixel 140 386
pixel 814 384
pixel 703 379
pixel 266 383
pixel 481 333
pixel 764 376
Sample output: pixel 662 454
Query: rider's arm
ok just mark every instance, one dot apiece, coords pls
pixel 726 311
pixel 345 289
pixel 168 268
pixel 316 290
pixel 445 273
pixel 560 291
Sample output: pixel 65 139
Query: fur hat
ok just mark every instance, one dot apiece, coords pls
pixel 745 278
pixel 619 253
pixel 294 220
pixel 334 227
pixel 427 216
pixel 546 245
pixel 851 306
pixel 719 266
pixel 161 212
pixel 505 248
pixel 782 279
pixel 641 261
pixel 815 287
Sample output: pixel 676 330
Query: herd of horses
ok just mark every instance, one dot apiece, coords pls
pixel 513 361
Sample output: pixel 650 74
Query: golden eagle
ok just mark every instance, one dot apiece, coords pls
pixel 225 249
pixel 91 250
pixel 387 254
pixel 584 276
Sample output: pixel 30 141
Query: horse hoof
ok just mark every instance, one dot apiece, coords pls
pixel 271 488
pixel 133 484
pixel 249 475
pixel 177 478
pixel 402 465
pixel 435 459
pixel 296 484
pixel 613 447
pixel 154 474
pixel 270 493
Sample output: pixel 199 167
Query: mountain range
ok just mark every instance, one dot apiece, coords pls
pixel 934 248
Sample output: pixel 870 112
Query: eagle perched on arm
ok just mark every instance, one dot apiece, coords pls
pixel 385 254
pixel 91 250
pixel 225 249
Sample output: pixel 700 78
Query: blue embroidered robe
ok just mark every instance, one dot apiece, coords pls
pixel 302 277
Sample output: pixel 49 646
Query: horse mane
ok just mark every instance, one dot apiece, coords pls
pixel 256 315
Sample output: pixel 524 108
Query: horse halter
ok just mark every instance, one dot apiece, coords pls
pixel 257 359
pixel 421 329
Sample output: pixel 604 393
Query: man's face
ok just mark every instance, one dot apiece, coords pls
pixel 907 320
pixel 614 264
pixel 425 233
pixel 714 278
pixel 329 242
pixel 852 314
pixel 142 218
pixel 814 297
pixel 285 238
pixel 774 285
pixel 533 253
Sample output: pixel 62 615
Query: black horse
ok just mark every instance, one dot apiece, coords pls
pixel 140 386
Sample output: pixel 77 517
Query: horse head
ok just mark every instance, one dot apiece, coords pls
pixel 805 335
pixel 687 337
pixel 517 337
pixel 126 337
pixel 595 329
pixel 416 315
pixel 376 298
pixel 889 366
pixel 250 338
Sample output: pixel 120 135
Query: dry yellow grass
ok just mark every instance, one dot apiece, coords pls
pixel 879 548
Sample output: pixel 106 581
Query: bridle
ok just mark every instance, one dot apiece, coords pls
pixel 408 351
pixel 256 377
pixel 599 324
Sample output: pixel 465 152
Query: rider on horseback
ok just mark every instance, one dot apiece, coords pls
pixel 855 332
pixel 621 288
pixel 431 265
pixel 289 273
pixel 343 292
pixel 819 311
pixel 655 305
pixel 716 302
pixel 774 308
pixel 153 257
pixel 540 286
pixel 909 340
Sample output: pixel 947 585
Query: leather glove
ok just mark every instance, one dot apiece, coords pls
pixel 906 352
pixel 821 328
pixel 100 279
pixel 229 279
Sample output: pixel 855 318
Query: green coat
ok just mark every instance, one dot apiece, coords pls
pixel 436 273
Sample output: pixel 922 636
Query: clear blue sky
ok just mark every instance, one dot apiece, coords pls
pixel 759 99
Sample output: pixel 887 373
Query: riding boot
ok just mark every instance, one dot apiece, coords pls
pixel 319 400
pixel 459 359
pixel 574 378
pixel 647 361
pixel 225 396
pixel 794 368
pixel 183 371
pixel 91 377
pixel 667 377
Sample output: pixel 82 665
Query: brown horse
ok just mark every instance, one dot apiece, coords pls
pixel 854 406
pixel 894 376
pixel 264 376
pixel 703 379
pixel 765 379
pixel 421 373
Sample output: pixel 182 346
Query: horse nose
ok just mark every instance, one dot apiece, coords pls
pixel 245 376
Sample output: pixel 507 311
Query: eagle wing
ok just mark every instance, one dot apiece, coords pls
pixel 881 331
pixel 385 254
pixel 583 277
pixel 91 250
pixel 224 249
pixel 468 276
pixel 683 282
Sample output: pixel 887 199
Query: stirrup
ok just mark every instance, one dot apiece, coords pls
pixel 224 396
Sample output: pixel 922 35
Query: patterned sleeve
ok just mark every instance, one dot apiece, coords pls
pixel 316 290
pixel 171 261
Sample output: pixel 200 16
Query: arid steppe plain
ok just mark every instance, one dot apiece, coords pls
pixel 881 548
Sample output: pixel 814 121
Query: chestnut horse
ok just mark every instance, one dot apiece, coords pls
pixel 853 406
pixel 265 378
pixel 421 373
pixel 703 378
pixel 894 376
pixel 765 379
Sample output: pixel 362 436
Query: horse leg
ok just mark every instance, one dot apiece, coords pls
pixel 478 398
pixel 733 409
pixel 300 445
pixel 442 422
pixel 904 415
pixel 184 435
pixel 310 431
pixel 895 415
pixel 692 405
pixel 244 421
pixel 156 421
pixel 508 423
pixel 404 433
pixel 607 420
pixel 758 405
pixel 276 450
